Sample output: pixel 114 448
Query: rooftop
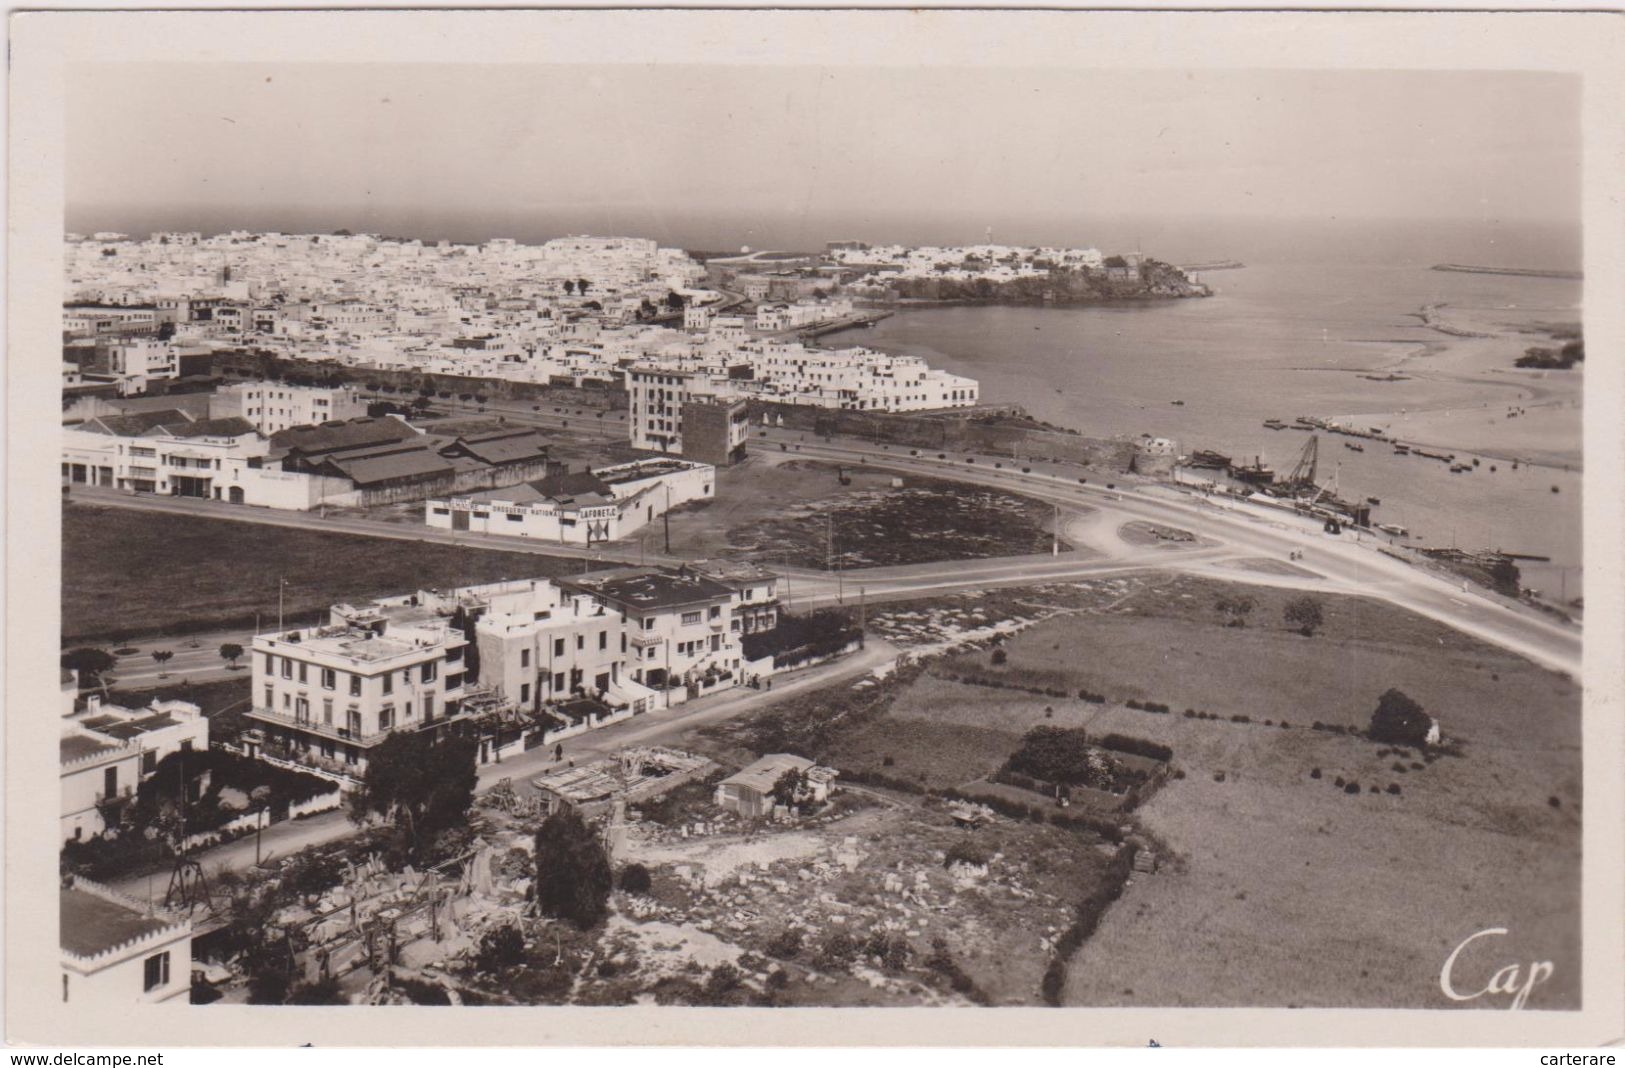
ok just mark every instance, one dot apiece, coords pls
pixel 92 925
pixel 78 747
pixel 639 588
pixel 762 775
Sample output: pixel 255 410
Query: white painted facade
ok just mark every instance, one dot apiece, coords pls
pixel 276 406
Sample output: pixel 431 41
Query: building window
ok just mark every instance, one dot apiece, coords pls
pixel 327 711
pixel 301 671
pixel 603 640
pixel 149 761
pixel 581 641
pixel 156 968
pixel 430 671
pixel 558 682
pixel 558 646
pixel 389 683
pixel 716 611
pixel 270 698
pixel 352 723
pixel 386 717
pixel 524 693
pixel 690 618
pixel 270 664
pixel 287 668
pixel 330 678
pixel 524 658
pixel 355 685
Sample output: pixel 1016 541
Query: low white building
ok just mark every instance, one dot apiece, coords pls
pixel 118 952
pixel 588 508
pixel 106 750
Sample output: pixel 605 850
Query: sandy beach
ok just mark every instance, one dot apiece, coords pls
pixel 1496 410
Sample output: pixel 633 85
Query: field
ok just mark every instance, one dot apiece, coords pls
pixel 1363 877
pixel 781 510
pixel 1365 894
pixel 127 572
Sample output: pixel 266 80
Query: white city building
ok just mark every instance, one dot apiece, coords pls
pixel 329 694
pixel 275 406
pixel 603 505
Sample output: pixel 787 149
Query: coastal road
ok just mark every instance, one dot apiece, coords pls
pixel 1348 563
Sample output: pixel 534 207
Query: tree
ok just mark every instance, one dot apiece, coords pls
pixel 1304 615
pixel 582 285
pixel 1399 720
pixel 569 286
pixel 573 876
pixel 162 657
pixel 1235 609
pixel 421 783
pixel 789 787
pixel 93 665
pixel 674 300
pixel 231 652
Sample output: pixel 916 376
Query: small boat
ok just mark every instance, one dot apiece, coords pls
pixel 1402 450
pixel 1393 528
pixel 1456 469
pixel 1354 447
pixel 1274 424
pixel 1177 404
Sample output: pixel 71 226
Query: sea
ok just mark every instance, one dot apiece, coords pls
pixel 1278 340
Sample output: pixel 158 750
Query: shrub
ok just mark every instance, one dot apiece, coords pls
pixel 1218 776
pixel 1393 787
pixel 1399 767
pixel 887 762
pixel 1315 774
pixel 787 944
pixel 1000 656
pixel 1137 746
pixel 1190 713
pixel 1554 802
pixel 837 950
pixel 635 879
pixel 963 852
pixel 1352 788
pixel 502 947
pixel 1338 782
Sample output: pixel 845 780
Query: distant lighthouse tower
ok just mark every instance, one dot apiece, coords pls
pixel 989 235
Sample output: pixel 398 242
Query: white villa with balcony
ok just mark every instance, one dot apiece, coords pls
pixel 336 691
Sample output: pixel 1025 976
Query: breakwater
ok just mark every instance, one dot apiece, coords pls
pixel 1521 272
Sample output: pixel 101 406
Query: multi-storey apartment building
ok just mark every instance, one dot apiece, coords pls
pixel 679 624
pixel 276 406
pixel 338 690
pixel 692 413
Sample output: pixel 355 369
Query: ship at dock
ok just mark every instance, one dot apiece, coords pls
pixel 1300 489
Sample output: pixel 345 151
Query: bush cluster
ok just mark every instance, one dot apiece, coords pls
pixel 1087 915
pixel 1148 706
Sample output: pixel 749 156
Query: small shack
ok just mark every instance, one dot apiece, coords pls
pixel 749 792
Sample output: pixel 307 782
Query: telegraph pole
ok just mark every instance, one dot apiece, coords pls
pixel 281 585
pixel 1055 532
pixel 666 518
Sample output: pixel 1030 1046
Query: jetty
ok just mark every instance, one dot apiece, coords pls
pixel 1216 265
pixel 1524 272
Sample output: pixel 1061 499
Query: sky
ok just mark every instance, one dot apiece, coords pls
pixel 711 156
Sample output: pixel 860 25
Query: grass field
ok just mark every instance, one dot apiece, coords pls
pixel 1280 888
pixel 777 509
pixel 130 573
pixel 1363 895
